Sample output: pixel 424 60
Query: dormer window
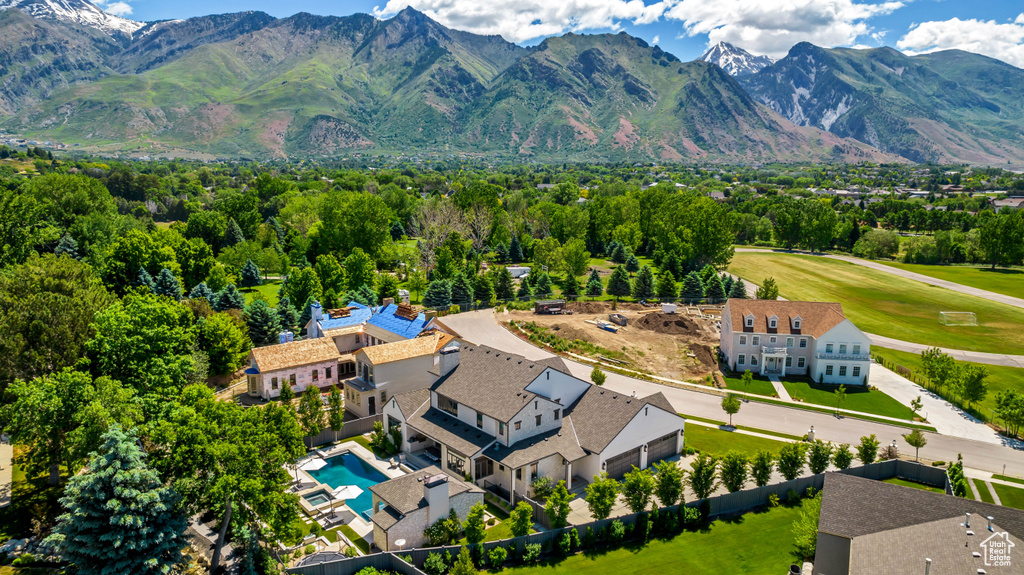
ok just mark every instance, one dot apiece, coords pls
pixel 749 321
pixel 796 323
pixel 773 323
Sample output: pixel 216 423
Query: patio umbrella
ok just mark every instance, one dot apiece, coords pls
pixel 313 464
pixel 344 492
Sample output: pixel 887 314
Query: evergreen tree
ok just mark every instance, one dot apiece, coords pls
pixel 543 287
pixel 167 284
pixel 524 293
pixel 119 517
pixel 397 230
pixel 707 273
pixel 263 323
pixel 462 292
pixel 693 288
pixel 387 287
pixel 727 282
pixel 594 286
pixel 286 314
pixel 306 315
pixel 666 286
pixel 768 290
pixel 632 264
pixel 365 295
pixel 617 255
pixel 230 298
pixel 203 291
pixel 643 285
pixel 672 264
pixel 233 234
pixel 439 295
pixel 503 284
pixel 618 284
pixel 67 246
pixel 571 287
pixel 483 289
pixel 738 290
pixel 515 250
pixel 250 275
pixel 501 253
pixel 277 227
pixel 145 281
pixel 714 290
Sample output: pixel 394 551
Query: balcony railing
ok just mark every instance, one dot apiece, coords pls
pixel 774 349
pixel 846 356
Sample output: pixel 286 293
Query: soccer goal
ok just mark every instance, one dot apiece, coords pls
pixel 958 318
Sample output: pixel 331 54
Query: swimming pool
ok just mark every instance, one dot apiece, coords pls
pixel 317 498
pixel 349 469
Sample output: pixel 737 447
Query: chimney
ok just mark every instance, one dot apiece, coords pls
pixel 430 314
pixel 435 491
pixel 315 314
pixel 388 301
pixel 449 358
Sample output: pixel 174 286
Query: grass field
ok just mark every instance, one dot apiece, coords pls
pixel 1010 479
pixel 1000 378
pixel 718 442
pixel 269 290
pixel 857 399
pixel 751 544
pixel 1004 281
pixel 888 305
pixel 1009 496
pixel 760 386
pixel 914 484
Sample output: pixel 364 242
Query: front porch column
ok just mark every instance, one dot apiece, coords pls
pixel 568 475
pixel 783 374
pixel 512 492
pixel 763 361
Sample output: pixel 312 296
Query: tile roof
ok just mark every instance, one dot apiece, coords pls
pixel 294 354
pixel 428 344
pixel 405 494
pixel 562 441
pixel 410 401
pixel 358 314
pixel 449 430
pixel 601 414
pixel 816 317
pixel 506 376
pixel 390 320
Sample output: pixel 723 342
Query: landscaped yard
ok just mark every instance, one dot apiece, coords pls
pixel 914 484
pixel 1004 281
pixel 857 398
pixel 983 493
pixel 753 544
pixel 269 290
pixel 760 386
pixel 885 304
pixel 719 442
pixel 1000 378
pixel 1010 496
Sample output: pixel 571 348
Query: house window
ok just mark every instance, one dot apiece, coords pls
pixel 800 362
pixel 756 340
pixel 773 323
pixel 828 348
pixel 772 339
pixel 803 342
pixel 538 420
pixel 484 467
pixel 741 359
pixel 316 375
pixel 519 474
pixel 479 420
pixel 273 383
pixel 753 360
pixel 501 428
pixel 533 472
pixel 359 399
pixel 447 405
pixel 743 340
pixel 789 342
pixel 842 348
pixel 456 462
pixel 327 373
pixel 556 413
pixel 291 380
pixel 796 324
pixel 828 370
pixel 856 371
pixel 789 362
pixel 519 425
pixel 842 371
pixel 383 397
pixel 856 349
pixel 750 322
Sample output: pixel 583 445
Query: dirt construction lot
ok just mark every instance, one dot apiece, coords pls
pixel 678 346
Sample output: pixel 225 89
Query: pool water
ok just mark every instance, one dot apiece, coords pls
pixel 349 469
pixel 317 497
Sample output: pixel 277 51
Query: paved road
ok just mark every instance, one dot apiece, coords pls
pixel 481 327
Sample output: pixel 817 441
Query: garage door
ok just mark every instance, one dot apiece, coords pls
pixel 661 448
pixel 618 466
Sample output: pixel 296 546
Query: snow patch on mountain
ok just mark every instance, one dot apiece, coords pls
pixel 80 12
pixel 735 60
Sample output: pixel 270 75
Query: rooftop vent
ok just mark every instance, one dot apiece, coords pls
pixel 989 522
pixel 967 520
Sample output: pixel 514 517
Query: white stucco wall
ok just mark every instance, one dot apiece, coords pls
pixel 843 334
pixel 648 424
pixel 558 386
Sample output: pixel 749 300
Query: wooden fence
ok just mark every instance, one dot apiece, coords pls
pixel 351 429
pixel 725 504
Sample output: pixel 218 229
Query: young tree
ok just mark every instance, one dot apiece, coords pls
pixel 665 287
pixel 417 283
pixel 524 292
pixel 597 376
pixel 263 323
pixel 571 287
pixel 747 378
pixel 503 283
pixel 714 290
pixel 971 383
pixel 761 467
pixel 618 283
pixel 637 488
pixel 917 440
pixel 632 264
pixel 805 530
pixel 119 516
pixel 287 394
pixel 230 298
pixel 738 290
pixel 731 405
pixel 462 292
pixel 820 456
pixel 387 287
pixel 867 451
pixel 311 411
pixel 693 289
pixel 669 482
pixel 939 367
pixel 463 564
pixel 916 404
pixel 601 495
pixel 483 289
pixel 439 295
pixel 250 275
pixel 67 246
pixel 768 290
pixel 703 476
pixel 515 250
pixel 843 456
pixel 791 460
pixel 594 286
pixel 543 287
pixel 557 507
pixel 733 470
pixel 166 284
pixel 643 285
pixel 225 340
pixel 521 519
pixel 840 395
pixel 335 410
pixel 475 526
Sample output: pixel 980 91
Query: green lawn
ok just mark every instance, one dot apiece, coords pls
pixel 1008 478
pixel 914 484
pixel 1000 378
pixel 720 442
pixel 1009 496
pixel 857 399
pixel 983 492
pixel 760 386
pixel 751 544
pixel 269 290
pixel 355 539
pixel 1004 281
pixel 885 304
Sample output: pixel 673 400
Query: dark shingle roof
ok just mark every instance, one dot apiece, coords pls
pixel 410 401
pixel 601 414
pixel 449 430
pixel 562 441
pixel 405 494
pixel 493 382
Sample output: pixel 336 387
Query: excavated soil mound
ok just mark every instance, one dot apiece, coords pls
pixel 704 354
pixel 588 306
pixel 569 332
pixel 672 324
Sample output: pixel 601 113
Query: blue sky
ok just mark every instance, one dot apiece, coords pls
pixel 683 27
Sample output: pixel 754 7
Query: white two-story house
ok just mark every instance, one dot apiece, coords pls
pixel 815 339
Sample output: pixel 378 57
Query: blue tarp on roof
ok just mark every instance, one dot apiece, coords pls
pixel 388 321
pixel 360 313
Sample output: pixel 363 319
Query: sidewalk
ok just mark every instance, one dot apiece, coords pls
pixel 779 388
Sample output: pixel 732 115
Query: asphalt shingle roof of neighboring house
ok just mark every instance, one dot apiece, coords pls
pixel 405 327
pixel 562 441
pixel 816 317
pixel 448 429
pixel 601 414
pixel 405 494
pixel 358 314
pixel 294 354
pixel 410 401
pixel 428 344
pixel 506 376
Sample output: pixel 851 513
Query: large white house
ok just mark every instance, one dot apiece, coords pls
pixel 770 337
pixel 501 421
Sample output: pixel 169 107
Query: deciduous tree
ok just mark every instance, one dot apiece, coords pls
pixel 820 456
pixel 733 469
pixel 637 488
pixel 669 482
pixel 557 507
pixel 731 405
pixel 602 493
pixel 761 467
pixel 703 476
pixel 867 451
pixel 768 290
pixel 791 460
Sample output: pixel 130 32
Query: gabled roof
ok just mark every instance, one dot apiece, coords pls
pixel 428 344
pixel 816 317
pixel 562 441
pixel 405 494
pixel 410 401
pixel 389 319
pixel 294 354
pixel 601 414
pixel 449 430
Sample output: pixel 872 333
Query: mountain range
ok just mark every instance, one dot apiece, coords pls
pixel 251 85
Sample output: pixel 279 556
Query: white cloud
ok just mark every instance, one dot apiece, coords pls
pixel 1004 41
pixel 521 20
pixel 656 40
pixel 115 8
pixel 772 27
